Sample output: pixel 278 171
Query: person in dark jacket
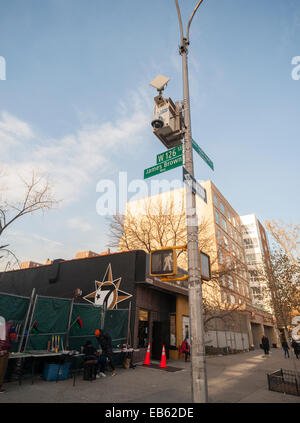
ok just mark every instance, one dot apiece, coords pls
pixel 296 347
pixel 285 349
pixel 265 344
pixel 91 355
pixel 89 352
pixel 105 342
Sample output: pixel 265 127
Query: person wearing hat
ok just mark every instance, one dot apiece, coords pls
pixel 105 343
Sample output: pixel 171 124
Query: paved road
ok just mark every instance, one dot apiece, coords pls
pixel 231 379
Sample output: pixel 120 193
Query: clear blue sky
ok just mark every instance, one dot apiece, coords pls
pixel 77 105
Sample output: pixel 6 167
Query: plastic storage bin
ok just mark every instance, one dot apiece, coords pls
pixel 56 372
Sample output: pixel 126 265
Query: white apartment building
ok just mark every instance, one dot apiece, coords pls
pixel 256 247
pixel 225 230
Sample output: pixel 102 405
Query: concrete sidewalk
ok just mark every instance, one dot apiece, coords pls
pixel 231 379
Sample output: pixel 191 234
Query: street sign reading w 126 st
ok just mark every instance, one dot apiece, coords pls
pixel 169 154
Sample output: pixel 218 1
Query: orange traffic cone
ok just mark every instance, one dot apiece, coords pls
pixel 163 362
pixel 147 359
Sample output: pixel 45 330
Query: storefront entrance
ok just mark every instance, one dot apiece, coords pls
pixel 160 337
pixel 256 335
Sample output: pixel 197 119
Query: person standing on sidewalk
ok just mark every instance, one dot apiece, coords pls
pixel 285 349
pixel 185 349
pixel 296 347
pixel 5 346
pixel 105 343
pixel 265 344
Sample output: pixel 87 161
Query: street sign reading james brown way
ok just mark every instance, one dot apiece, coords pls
pixel 163 167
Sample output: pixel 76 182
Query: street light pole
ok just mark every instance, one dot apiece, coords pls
pixel 198 363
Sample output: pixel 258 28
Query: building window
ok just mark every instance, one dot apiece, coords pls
pixel 230 282
pixel 250 243
pixel 248 291
pixel 219 235
pixel 221 256
pixel 173 330
pixel 222 208
pixel 224 297
pixel 223 224
pixel 226 241
pixel 223 279
pixel 143 329
pixel 253 258
pixel 217 218
pixel 186 328
pixel 216 200
pixel 232 299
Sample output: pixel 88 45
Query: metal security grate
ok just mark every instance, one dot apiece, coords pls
pixel 285 381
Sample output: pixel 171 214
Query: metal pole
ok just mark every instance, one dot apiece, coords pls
pixel 26 320
pixel 30 323
pixel 198 362
pixel 128 326
pixel 69 324
pixel 102 318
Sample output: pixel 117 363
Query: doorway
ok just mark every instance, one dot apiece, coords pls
pixel 160 337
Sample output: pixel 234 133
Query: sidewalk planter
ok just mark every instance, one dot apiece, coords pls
pixel 56 372
pixel 285 381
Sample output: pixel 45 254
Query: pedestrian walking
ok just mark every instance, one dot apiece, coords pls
pixel 265 344
pixel 285 349
pixel 105 343
pixel 296 347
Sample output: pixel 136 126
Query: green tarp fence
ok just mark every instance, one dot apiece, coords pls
pixel 52 317
pixel 91 320
pixel 115 323
pixel 13 308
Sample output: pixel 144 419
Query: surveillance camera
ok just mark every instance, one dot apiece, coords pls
pixel 157 123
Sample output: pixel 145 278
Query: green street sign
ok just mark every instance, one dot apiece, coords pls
pixel 163 167
pixel 169 154
pixel 202 154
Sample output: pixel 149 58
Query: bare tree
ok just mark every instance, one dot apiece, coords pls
pixel 283 277
pixel 283 284
pixel 282 269
pixel 214 306
pixel 157 224
pixel 287 236
pixel 37 196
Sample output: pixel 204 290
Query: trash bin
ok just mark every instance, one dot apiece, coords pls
pixel 56 372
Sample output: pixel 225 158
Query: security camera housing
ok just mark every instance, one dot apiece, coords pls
pixel 157 123
pixel 167 122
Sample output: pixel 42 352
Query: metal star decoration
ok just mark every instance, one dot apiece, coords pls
pixel 107 293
